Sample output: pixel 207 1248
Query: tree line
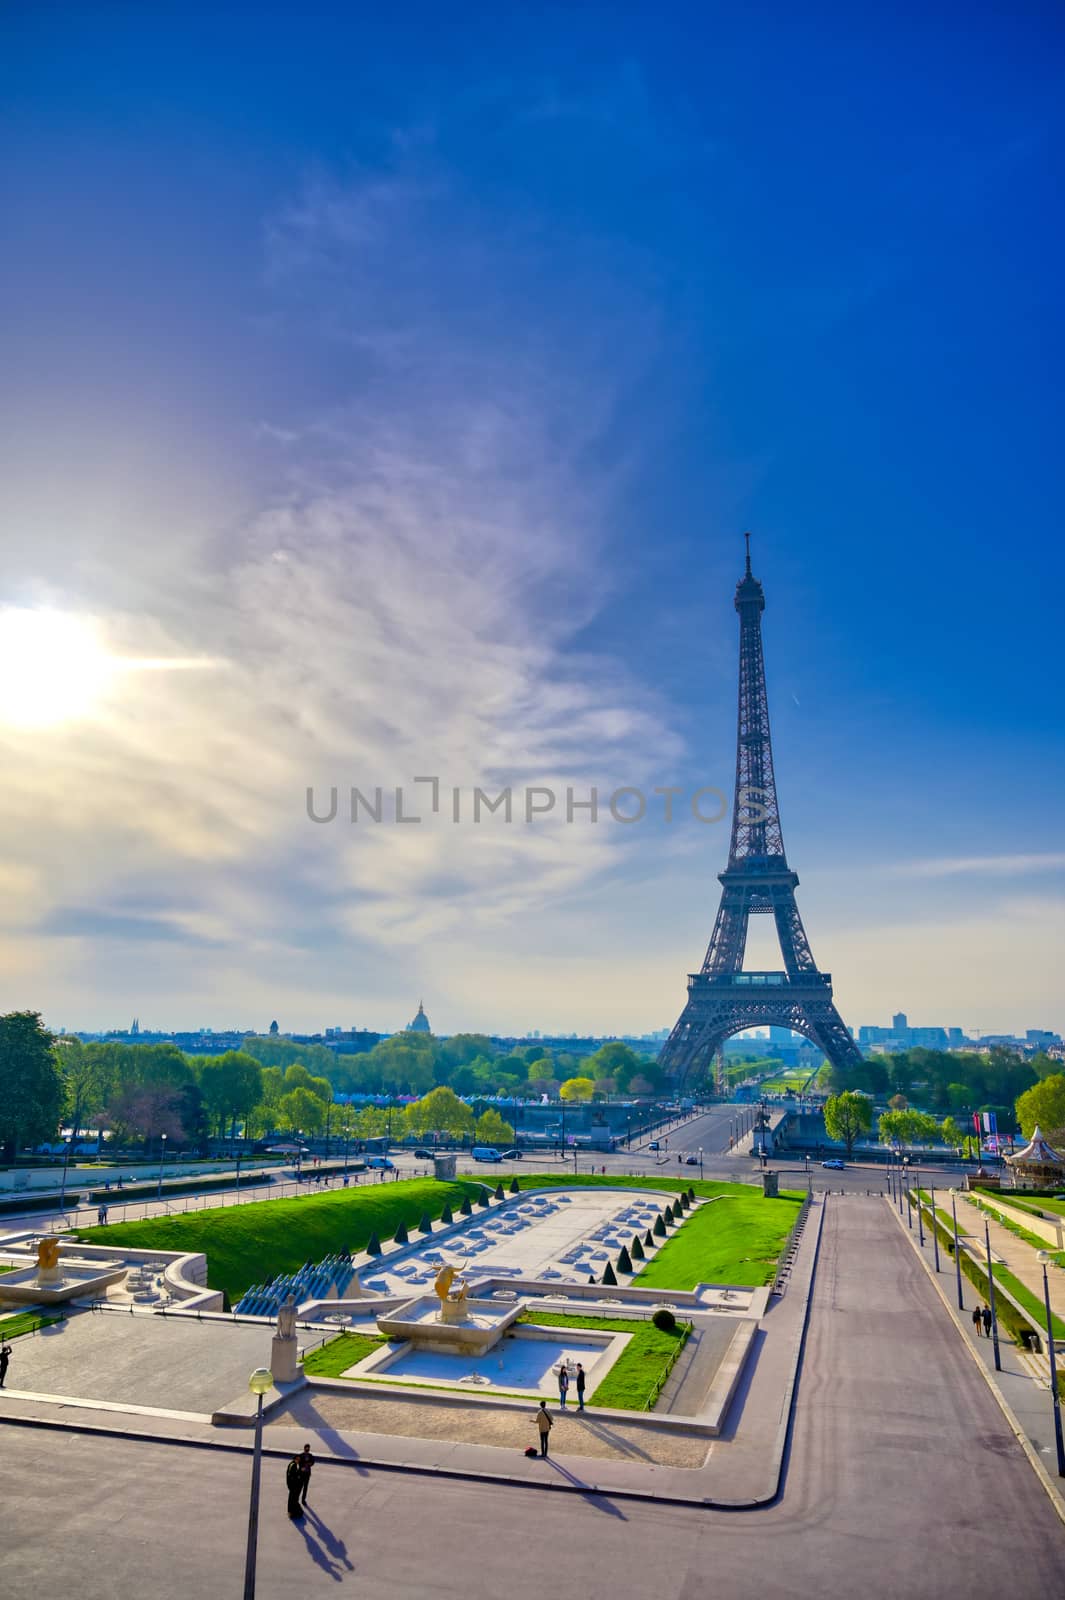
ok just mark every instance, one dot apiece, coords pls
pixel 142 1092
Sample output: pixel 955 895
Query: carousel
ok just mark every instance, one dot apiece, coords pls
pixel 1037 1166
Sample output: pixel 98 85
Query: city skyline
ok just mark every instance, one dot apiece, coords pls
pixel 402 416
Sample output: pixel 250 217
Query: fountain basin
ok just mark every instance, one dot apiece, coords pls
pixel 419 1321
pixel 74 1280
pixel 527 1361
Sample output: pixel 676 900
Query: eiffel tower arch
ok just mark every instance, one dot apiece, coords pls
pixel 723 999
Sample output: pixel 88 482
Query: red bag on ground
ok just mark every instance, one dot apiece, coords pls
pixel 530 1451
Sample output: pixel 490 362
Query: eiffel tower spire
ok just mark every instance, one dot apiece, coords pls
pixel 723 999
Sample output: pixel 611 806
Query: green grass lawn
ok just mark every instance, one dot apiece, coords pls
pixel 635 1380
pixel 246 1244
pixel 1057 1207
pixel 736 1240
pixel 26 1322
pixel 334 1357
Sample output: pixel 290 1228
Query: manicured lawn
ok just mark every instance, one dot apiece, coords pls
pixel 334 1357
pixel 737 1239
pixel 635 1380
pixel 25 1322
pixel 1057 1207
pixel 247 1244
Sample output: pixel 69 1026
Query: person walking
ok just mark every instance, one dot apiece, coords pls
pixel 294 1483
pixel 563 1384
pixel 5 1357
pixel 580 1387
pixel 306 1467
pixel 543 1422
pixel 978 1321
pixel 986 1314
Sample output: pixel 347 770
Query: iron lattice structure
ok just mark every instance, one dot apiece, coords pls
pixel 722 998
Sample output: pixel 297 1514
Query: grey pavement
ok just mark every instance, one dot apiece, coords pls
pixel 903 1480
pixel 176 1363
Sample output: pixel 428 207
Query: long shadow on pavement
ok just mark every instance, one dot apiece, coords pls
pixel 595 1497
pixel 325 1549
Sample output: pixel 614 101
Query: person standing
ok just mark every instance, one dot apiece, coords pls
pixel 978 1321
pixel 5 1357
pixel 986 1314
pixel 543 1422
pixel 563 1384
pixel 294 1483
pixel 580 1387
pixel 306 1467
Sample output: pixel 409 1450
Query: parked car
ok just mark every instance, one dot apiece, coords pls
pixel 835 1165
pixel 423 1155
pixel 381 1162
pixel 512 1155
pixel 485 1152
pixel 692 1161
pixel 654 1145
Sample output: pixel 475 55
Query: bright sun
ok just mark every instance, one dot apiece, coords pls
pixel 53 667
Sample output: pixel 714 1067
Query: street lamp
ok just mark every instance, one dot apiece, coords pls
pixel 957 1248
pixel 935 1231
pixel 700 1163
pixel 920 1208
pixel 260 1382
pixel 1043 1257
pixel 66 1157
pixel 909 1203
pixel 162 1159
pixel 991 1296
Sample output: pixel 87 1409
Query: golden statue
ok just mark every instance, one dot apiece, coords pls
pixel 48 1253
pixel 444 1279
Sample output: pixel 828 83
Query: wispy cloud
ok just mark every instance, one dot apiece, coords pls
pixel 1005 866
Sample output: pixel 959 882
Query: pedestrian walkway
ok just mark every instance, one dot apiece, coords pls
pixel 1017 1255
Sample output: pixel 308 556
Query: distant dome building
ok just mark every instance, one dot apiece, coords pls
pixel 420 1023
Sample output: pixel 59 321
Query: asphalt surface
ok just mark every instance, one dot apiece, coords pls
pixel 902 1479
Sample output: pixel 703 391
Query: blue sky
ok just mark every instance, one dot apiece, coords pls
pixel 410 381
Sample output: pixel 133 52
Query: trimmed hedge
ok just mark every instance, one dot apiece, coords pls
pixel 638 1252
pixel 609 1275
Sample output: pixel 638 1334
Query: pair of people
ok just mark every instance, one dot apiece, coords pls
pixel 982 1321
pixel 563 1385
pixel 298 1480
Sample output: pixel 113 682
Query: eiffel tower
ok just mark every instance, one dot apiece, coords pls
pixel 722 998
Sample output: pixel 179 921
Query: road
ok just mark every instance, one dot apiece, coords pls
pixel 903 1479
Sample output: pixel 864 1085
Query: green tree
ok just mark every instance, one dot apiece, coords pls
pixel 301 1110
pixel 31 1085
pixel 1042 1106
pixel 441 1109
pixel 491 1129
pixel 951 1132
pixel 847 1115
pixel 579 1089
pixel 86 1083
pixel 232 1087
pixel 908 1127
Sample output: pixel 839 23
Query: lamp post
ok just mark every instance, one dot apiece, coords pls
pixel 957 1248
pixel 1043 1257
pixel 162 1161
pixel 935 1230
pixel 299 1156
pixel 909 1205
pixel 66 1157
pixel 259 1383
pixel 991 1296
pixel 700 1163
pixel 920 1208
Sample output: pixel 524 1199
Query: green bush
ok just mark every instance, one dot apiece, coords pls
pixel 648 1241
pixel 373 1245
pixel 499 1195
pixel 426 1224
pixel 638 1252
pixel 624 1260
pixel 660 1227
pixel 691 1196
pixel 482 1197
pixel 446 1217
pixel 515 1186
pixel 401 1234
pixel 609 1276
pixel 465 1209
pixel 668 1214
pixel 664 1319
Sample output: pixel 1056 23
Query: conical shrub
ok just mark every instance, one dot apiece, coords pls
pixel 515 1186
pixel 373 1247
pixel 648 1241
pixel 482 1197
pixel 608 1275
pixel 668 1213
pixel 426 1224
pixel 446 1216
pixel 499 1195
pixel 660 1227
pixel 402 1236
pixel 682 1202
pixel 624 1260
pixel 691 1196
pixel 465 1209
pixel 638 1251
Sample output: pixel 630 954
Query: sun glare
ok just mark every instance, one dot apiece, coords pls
pixel 53 668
